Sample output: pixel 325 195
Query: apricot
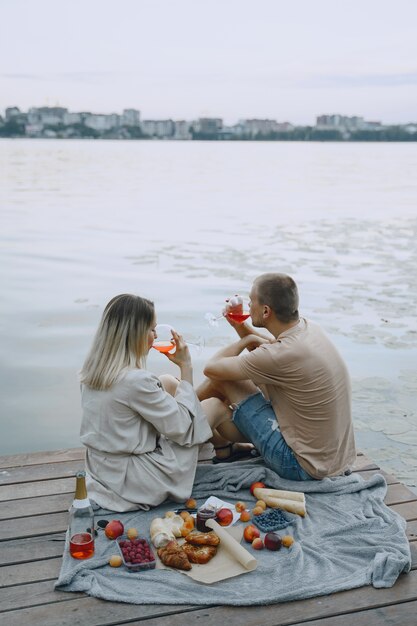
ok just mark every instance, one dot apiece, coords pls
pixel 258 510
pixel 261 503
pixel 132 533
pixel 255 485
pixel 115 560
pixel 188 526
pixel 245 516
pixel 240 506
pixel 191 503
pixel 257 544
pixel 287 541
pixel 250 533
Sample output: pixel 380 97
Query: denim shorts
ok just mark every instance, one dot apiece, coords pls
pixel 255 419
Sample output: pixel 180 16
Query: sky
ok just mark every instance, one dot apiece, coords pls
pixel 182 59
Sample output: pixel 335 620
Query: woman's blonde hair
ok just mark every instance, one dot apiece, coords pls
pixel 121 341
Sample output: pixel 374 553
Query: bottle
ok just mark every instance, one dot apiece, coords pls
pixel 81 522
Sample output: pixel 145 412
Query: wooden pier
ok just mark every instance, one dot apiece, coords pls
pixel 35 493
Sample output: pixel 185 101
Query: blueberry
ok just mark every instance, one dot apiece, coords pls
pixel 102 523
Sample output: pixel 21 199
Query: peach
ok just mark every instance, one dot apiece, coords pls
pixel 224 517
pixel 185 515
pixel 115 560
pixel 257 544
pixel 191 503
pixel 114 529
pixel 258 510
pixel 250 533
pixel 245 516
pixel 261 503
pixel 132 533
pixel 240 506
pixel 255 485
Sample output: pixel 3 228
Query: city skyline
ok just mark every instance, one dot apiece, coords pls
pixel 233 60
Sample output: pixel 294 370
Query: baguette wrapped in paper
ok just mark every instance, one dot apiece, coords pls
pixel 291 501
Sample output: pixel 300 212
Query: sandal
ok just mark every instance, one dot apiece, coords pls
pixel 237 455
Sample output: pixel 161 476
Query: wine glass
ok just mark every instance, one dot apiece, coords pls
pixel 165 343
pixel 236 308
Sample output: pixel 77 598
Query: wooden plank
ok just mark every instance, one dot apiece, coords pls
pixel 302 611
pixel 363 463
pixel 33 526
pixel 42 488
pixel 13 509
pixel 397 494
pixel 411 531
pixel 407 510
pixel 32 594
pixel 88 611
pixel 398 615
pixel 367 474
pixel 36 458
pixel 24 474
pixel 35 571
pixel 31 549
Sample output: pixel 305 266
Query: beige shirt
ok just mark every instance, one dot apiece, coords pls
pixel 142 444
pixel 308 384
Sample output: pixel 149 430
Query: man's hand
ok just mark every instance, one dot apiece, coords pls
pixel 254 341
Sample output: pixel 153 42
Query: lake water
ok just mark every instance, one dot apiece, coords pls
pixel 188 224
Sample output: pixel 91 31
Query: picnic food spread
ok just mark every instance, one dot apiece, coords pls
pixel 182 541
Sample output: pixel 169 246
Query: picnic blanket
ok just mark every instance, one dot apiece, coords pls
pixel 349 538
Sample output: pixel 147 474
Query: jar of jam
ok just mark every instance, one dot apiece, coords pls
pixel 203 514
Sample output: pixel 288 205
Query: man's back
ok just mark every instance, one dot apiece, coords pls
pixel 307 382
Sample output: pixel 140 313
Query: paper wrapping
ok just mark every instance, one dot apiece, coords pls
pixel 237 551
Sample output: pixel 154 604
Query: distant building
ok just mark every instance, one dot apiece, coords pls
pixel 130 117
pixel 208 125
pixel 12 112
pixel 72 118
pixel 182 130
pixel 102 122
pixel 340 122
pixel 161 129
pixel 47 116
pixel 256 127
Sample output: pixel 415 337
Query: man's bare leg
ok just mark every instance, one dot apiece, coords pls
pixel 219 414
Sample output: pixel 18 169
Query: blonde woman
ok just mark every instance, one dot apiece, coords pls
pixel 142 433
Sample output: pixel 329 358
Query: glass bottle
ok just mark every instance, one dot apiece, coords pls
pixel 81 522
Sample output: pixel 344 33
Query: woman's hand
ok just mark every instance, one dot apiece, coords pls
pixel 181 356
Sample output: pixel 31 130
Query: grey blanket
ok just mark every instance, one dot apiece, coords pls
pixel 349 538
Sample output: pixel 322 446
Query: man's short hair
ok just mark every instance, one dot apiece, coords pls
pixel 280 293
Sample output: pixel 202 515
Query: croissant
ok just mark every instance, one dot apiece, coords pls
pixel 199 554
pixel 203 539
pixel 173 555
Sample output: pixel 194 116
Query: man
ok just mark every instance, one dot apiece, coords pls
pixel 289 395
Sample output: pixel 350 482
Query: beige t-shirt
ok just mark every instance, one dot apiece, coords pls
pixel 308 384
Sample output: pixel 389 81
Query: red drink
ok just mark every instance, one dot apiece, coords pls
pixel 82 546
pixel 239 318
pixel 163 346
